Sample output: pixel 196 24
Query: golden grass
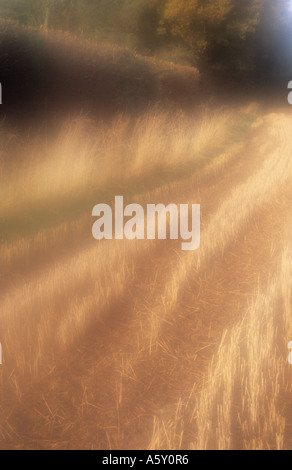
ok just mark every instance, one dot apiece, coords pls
pixel 248 376
pixel 86 157
pixel 110 344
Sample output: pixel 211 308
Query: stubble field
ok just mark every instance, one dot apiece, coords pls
pixel 123 344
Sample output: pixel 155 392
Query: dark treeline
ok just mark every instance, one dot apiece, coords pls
pixel 48 76
pixel 248 40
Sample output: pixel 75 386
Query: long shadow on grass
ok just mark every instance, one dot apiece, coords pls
pixel 49 214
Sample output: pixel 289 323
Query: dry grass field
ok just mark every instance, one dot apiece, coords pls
pixel 123 344
pixel 136 344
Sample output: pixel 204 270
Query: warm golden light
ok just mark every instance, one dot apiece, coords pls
pixel 145 226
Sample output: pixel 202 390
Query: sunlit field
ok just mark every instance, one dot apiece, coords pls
pixel 136 344
pixel 121 344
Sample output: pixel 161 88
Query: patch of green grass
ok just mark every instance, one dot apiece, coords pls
pixel 24 223
pixel 243 126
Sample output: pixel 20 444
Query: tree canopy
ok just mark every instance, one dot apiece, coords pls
pixel 222 36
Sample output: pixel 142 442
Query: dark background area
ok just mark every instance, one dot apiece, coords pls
pixel 241 49
pixel 247 40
